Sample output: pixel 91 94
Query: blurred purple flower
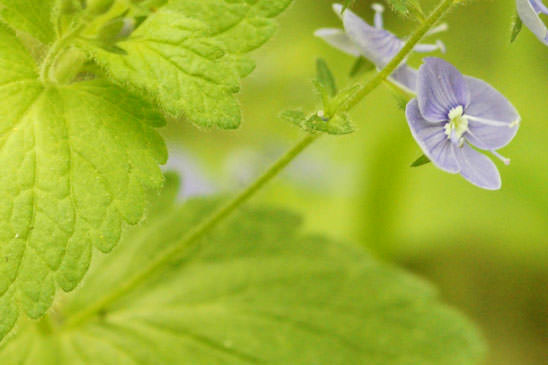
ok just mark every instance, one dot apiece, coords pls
pixel 452 113
pixel 529 11
pixel 375 43
pixel 194 180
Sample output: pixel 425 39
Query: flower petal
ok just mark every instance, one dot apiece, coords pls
pixel 431 138
pixel 489 104
pixel 338 39
pixel 406 78
pixel 440 87
pixel 477 168
pixel 528 11
pixel 377 45
pixel 539 6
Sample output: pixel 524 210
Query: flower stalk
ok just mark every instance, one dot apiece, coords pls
pixel 224 211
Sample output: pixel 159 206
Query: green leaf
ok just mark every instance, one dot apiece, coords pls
pixel 348 4
pixel 423 160
pixel 325 77
pixel 296 117
pixel 516 28
pixel 77 162
pixel 30 16
pixel 257 290
pixel 361 65
pixel 189 56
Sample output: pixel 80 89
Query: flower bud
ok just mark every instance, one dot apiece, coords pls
pixel 99 7
pixel 116 30
pixel 68 7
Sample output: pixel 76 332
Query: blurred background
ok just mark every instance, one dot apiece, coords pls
pixel 487 252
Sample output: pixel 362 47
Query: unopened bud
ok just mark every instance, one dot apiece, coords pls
pixel 99 7
pixel 116 30
pixel 68 7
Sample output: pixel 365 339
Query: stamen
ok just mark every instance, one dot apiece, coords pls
pixel 493 123
pixel 425 48
pixel 457 126
pixel 379 9
pixel 505 160
pixel 440 28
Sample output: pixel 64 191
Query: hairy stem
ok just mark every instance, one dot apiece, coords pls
pixel 211 221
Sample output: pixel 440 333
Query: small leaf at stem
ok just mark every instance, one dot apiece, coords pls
pixel 325 77
pixel 347 4
pixel 516 28
pixel 423 160
pixel 361 65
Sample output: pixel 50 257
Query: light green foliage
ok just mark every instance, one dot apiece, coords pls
pixel 76 164
pixel 189 56
pixel 325 77
pixel 256 290
pixel 30 16
pixel 338 125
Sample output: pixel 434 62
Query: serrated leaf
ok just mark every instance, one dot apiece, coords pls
pixel 296 117
pixel 516 28
pixel 423 160
pixel 407 8
pixel 76 163
pixel 257 290
pixel 189 56
pixel 30 16
pixel 338 125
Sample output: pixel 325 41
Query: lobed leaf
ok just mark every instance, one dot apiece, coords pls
pixel 255 290
pixel 76 163
pixel 30 16
pixel 189 56
pixel 339 124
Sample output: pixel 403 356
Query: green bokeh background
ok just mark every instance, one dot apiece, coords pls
pixel 486 251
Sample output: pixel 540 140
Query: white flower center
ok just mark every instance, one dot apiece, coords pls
pixel 457 126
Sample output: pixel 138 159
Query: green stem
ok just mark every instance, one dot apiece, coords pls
pixel 415 38
pixel 196 233
pixel 224 211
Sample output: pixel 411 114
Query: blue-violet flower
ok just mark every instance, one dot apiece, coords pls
pixel 529 11
pixel 375 43
pixel 452 113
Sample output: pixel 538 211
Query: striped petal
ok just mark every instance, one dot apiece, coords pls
pixel 377 45
pixel 440 88
pixel 477 168
pixel 493 121
pixel 432 139
pixel 338 39
pixel 529 11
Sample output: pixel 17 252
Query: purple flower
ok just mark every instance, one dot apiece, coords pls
pixel 529 11
pixel 375 43
pixel 452 113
